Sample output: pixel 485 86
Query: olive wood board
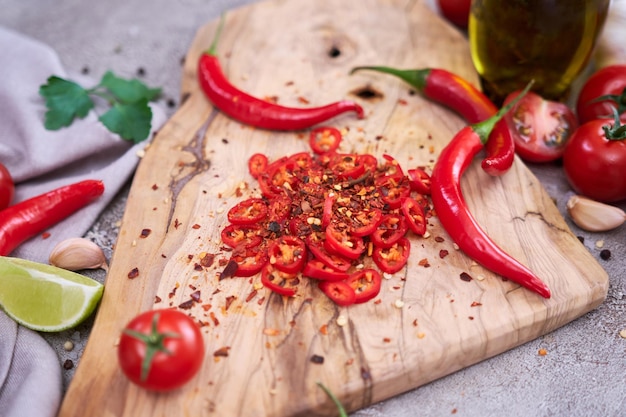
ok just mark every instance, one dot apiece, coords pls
pixel 426 323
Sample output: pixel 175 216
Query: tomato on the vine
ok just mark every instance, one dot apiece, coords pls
pixel 161 350
pixel 540 127
pixel 595 160
pixel 603 91
pixel 7 188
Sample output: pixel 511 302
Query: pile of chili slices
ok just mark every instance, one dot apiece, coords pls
pixel 325 216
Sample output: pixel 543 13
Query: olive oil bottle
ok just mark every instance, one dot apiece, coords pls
pixel 548 41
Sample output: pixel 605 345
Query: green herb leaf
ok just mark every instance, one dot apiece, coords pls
pixel 65 101
pixel 129 116
pixel 130 121
pixel 128 91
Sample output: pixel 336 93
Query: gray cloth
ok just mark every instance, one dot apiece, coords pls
pixel 40 160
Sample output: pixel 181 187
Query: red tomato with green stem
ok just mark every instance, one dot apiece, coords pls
pixel 7 188
pixel 540 128
pixel 595 160
pixel 160 350
pixel 603 91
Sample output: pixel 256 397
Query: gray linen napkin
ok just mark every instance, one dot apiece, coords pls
pixel 40 160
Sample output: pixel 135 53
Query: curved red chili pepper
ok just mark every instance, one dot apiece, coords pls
pixel 27 218
pixel 500 150
pixel 250 110
pixel 458 94
pixel 455 216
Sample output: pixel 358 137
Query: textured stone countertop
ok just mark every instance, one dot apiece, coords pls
pixel 584 371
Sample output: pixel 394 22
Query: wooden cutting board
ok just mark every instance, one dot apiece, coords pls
pixel 195 169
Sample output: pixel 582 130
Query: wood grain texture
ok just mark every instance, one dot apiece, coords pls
pixel 195 169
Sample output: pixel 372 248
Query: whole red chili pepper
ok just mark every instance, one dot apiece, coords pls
pixel 455 216
pixel 254 111
pixel 461 96
pixel 27 218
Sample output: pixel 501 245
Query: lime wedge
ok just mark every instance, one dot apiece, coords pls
pixel 46 298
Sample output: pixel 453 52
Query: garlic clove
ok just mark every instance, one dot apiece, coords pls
pixel 593 216
pixel 77 253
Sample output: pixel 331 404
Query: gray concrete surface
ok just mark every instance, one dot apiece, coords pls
pixel 584 372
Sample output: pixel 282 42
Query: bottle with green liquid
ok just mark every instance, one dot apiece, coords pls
pixel 548 41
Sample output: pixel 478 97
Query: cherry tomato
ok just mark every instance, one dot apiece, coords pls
pixel 340 292
pixel 318 270
pixel 161 350
pixel 7 188
pixel 456 11
pixel 248 212
pixel 414 215
pixel 257 164
pixel 595 165
pixel 366 284
pixel 541 128
pixel 392 259
pixel 280 282
pixel 287 254
pixel 324 139
pixel 607 84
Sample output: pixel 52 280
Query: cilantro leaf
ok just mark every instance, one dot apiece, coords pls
pixel 65 101
pixel 129 120
pixel 129 115
pixel 128 91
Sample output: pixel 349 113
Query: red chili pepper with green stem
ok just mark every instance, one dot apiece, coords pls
pixel 253 111
pixel 454 215
pixel 462 97
pixel 27 218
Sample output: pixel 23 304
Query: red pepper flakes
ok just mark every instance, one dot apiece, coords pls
pixel 439 239
pixel 324 329
pixel 261 301
pixel 542 352
pixel 223 352
pixel 443 253
pixel 475 304
pixel 157 299
pixel 206 307
pixel 229 301
pixel 303 100
pixel 145 233
pixel 206 260
pixel 197 267
pixel 45 235
pixel 186 305
pixel 386 339
pixel 173 292
pixel 229 270
pixel 176 223
pixel 214 319
pixel 251 296
pixel 195 296
pixel 424 262
pixel 196 226
pixel 415 322
pixel 471 317
pixel 317 359
pixel 466 277
pixel 134 273
pixel 402 102
pixel 155 187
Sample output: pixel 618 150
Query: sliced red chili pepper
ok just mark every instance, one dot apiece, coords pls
pixel 279 209
pixel 327 211
pixel 390 172
pixel 392 194
pixel 331 260
pixel 324 139
pixel 390 230
pixel 280 282
pixel 339 292
pixel 347 166
pixel 300 161
pixel 27 218
pixel 455 216
pixel 369 162
pixel 414 215
pixel 365 222
pixel 250 211
pixel 394 258
pixel 257 164
pixel 250 260
pixel 366 284
pixel 287 254
pixel 419 180
pixel 317 269
pixel 235 235
pixel 343 243
pixel 263 114
pixel 301 226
